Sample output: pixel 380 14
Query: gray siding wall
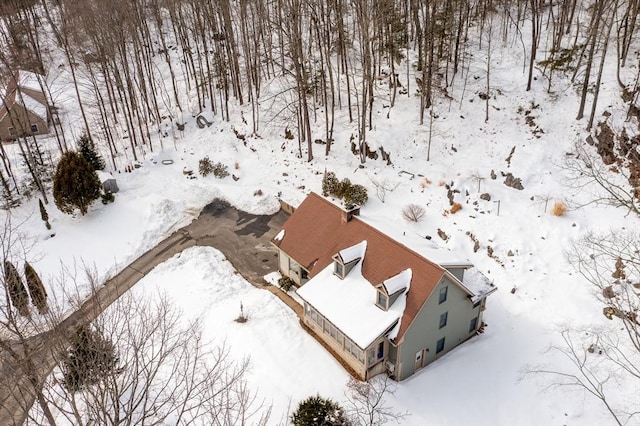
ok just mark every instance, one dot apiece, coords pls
pixel 424 332
pixel 456 272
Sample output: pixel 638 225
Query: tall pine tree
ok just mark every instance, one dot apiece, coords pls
pixel 36 289
pixel 87 148
pixel 76 184
pixel 17 291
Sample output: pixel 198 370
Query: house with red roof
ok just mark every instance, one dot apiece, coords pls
pixel 25 111
pixel 380 305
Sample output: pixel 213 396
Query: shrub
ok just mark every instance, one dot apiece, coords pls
pixel 345 190
pixel 205 166
pixel 559 209
pixel 285 283
pixel 107 198
pixel 413 212
pixel 357 195
pixel 220 171
pixel 455 207
pixel 330 184
pixel 316 410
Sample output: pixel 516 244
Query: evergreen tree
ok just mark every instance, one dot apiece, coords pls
pixel 17 291
pixel 318 411
pixel 8 197
pixel 90 359
pixel 36 289
pixel 76 184
pixel 44 214
pixel 87 148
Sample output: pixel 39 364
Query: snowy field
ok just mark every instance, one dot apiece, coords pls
pixel 483 381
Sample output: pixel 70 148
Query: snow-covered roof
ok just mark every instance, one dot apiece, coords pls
pixel 32 105
pixel 398 282
pixel 421 244
pixel 476 282
pixel 29 80
pixel 279 236
pixel 350 305
pixel 354 252
pixel 104 176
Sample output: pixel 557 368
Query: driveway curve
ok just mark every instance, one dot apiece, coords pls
pixel 242 237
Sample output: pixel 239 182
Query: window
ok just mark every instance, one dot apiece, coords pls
pixel 443 295
pixel 34 128
pixel 341 339
pixel 12 131
pixel 473 324
pixel 440 346
pixel 338 269
pixel 382 300
pixel 443 319
pixel 371 356
pixel 380 350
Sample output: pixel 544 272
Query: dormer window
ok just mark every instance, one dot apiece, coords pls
pixel 391 289
pixel 383 300
pixel 346 259
pixel 341 268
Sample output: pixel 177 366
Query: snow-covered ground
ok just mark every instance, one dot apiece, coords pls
pixel 485 380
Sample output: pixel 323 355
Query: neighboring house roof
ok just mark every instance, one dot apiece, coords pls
pixel 29 80
pixel 11 97
pixel 349 303
pixel 315 232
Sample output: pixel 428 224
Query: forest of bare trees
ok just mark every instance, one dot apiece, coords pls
pixel 140 69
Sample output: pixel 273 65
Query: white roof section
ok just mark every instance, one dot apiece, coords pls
pixel 104 176
pixel 477 283
pixel 398 282
pixel 354 252
pixel 422 245
pixel 350 305
pixel 32 105
pixel 29 80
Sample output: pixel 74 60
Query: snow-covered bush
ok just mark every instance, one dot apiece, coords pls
pixel 345 190
pixel 220 170
pixel 285 283
pixel 357 194
pixel 330 184
pixel 205 166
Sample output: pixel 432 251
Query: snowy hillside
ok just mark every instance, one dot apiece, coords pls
pixel 519 244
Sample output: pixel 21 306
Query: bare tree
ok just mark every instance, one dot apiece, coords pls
pixel 603 184
pixel 600 359
pixel 165 371
pixel 367 402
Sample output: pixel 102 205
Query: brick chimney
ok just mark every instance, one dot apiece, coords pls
pixel 349 211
